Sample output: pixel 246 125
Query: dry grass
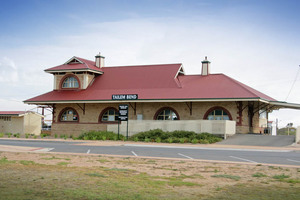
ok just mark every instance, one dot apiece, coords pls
pixel 56 176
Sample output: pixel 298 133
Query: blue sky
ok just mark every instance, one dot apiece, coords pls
pixel 255 42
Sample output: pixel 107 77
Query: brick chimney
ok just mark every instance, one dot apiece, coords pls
pixel 99 60
pixel 205 67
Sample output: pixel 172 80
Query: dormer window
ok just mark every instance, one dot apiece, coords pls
pixel 70 82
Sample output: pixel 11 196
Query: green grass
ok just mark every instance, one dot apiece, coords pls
pixel 4 161
pixel 281 176
pixel 257 192
pixel 118 170
pixel 228 176
pixel 103 160
pixel 293 181
pixel 259 174
pixel 62 163
pixel 27 162
pixel 96 175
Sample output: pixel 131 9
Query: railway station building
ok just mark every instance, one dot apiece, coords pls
pixel 86 96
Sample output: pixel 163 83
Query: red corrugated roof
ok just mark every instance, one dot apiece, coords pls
pixel 155 82
pixel 12 112
pixel 85 65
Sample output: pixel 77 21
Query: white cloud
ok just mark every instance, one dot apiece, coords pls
pixel 8 70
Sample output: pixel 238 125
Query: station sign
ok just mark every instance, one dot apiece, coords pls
pixel 124 97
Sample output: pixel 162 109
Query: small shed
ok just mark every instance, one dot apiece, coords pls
pixel 20 122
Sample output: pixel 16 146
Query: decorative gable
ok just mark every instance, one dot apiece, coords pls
pixel 73 60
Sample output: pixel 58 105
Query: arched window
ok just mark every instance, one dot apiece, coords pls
pixel 70 82
pixel 166 114
pixel 69 115
pixel 217 113
pixel 109 115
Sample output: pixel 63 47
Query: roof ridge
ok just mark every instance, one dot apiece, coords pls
pixel 153 65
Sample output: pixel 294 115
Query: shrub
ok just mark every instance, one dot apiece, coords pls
pixel 159 135
pixel 1 135
pixel 44 135
pixel 195 141
pixel 151 134
pixel 158 140
pixel 204 141
pixel 183 134
pixel 176 140
pixel 99 135
pixel 170 140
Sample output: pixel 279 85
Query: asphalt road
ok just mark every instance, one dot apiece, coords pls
pixel 284 157
pixel 259 140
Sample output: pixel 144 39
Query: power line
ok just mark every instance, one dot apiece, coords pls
pixel 293 84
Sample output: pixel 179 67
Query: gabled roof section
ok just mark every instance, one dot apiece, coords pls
pixel 157 83
pixel 218 86
pixel 73 60
pixel 180 71
pixel 76 64
pixel 140 76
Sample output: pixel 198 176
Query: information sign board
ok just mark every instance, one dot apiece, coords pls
pixel 123 112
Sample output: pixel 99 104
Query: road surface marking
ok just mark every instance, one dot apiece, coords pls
pixel 134 153
pixel 185 156
pixel 44 149
pixel 242 159
pixel 207 148
pixel 293 160
pixel 88 151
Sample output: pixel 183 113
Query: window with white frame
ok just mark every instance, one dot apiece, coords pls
pixel 70 82
pixel 109 115
pixel 69 115
pixel 167 114
pixel 218 114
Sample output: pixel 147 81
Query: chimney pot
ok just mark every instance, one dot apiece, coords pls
pixel 205 67
pixel 99 61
